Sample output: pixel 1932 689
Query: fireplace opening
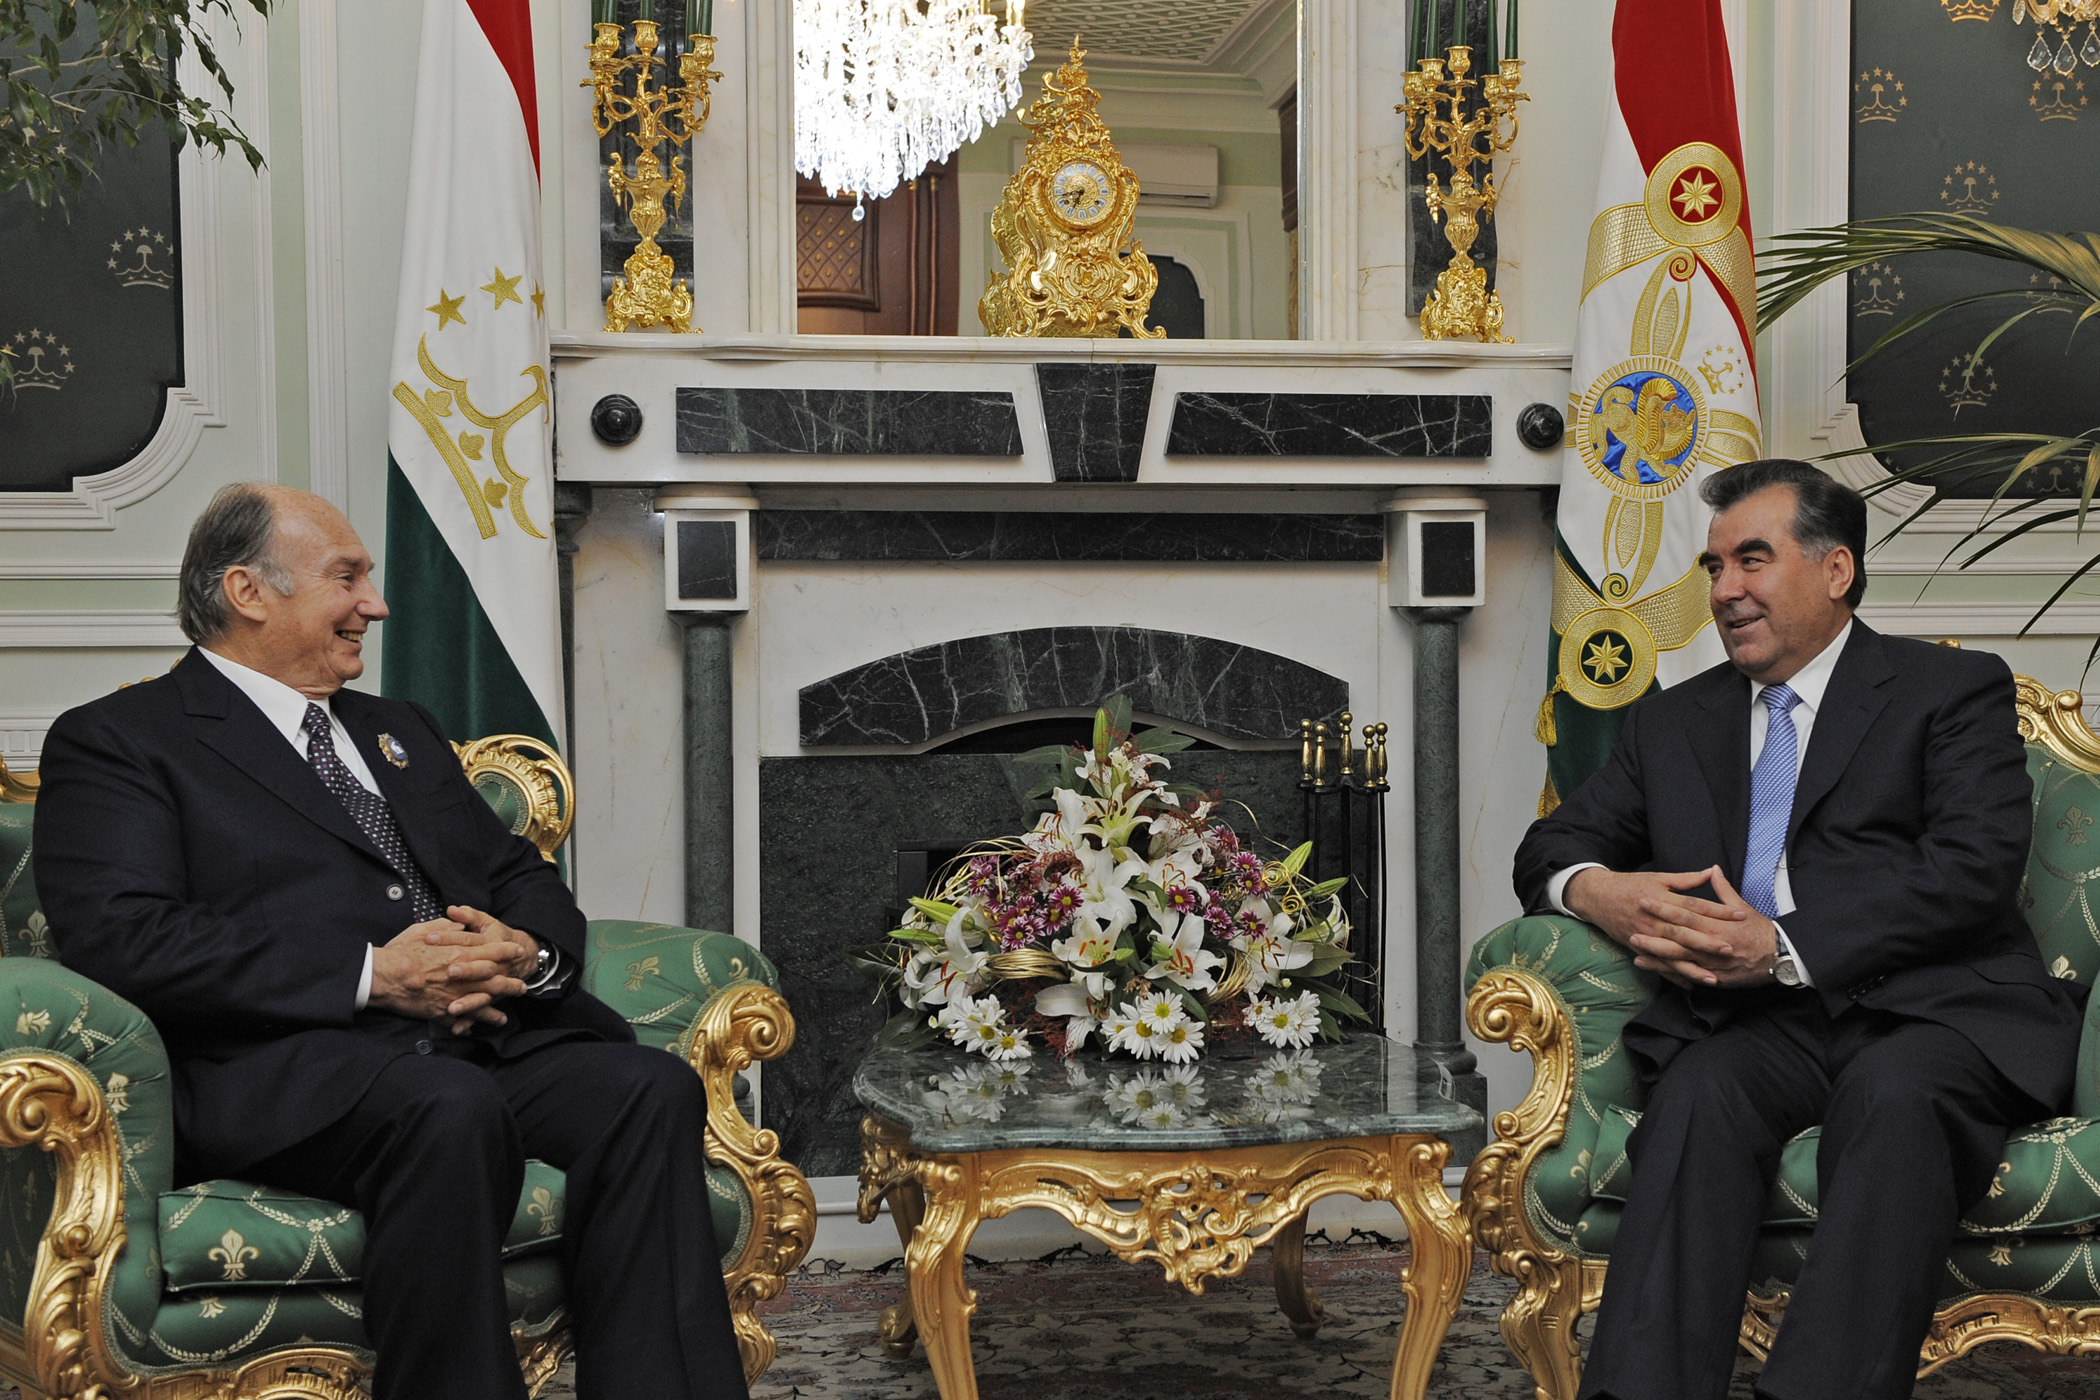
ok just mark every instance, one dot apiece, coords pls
pixel 1041 731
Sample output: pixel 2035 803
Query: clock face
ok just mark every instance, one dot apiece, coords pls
pixel 1081 194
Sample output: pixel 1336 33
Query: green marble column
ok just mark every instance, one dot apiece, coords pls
pixel 710 771
pixel 1439 1023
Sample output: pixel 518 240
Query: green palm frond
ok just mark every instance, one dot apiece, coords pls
pixel 1793 265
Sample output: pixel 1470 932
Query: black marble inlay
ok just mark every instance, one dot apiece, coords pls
pixel 1331 425
pixel 849 422
pixel 1095 415
pixel 832 828
pixel 1068 535
pixel 706 559
pixel 910 697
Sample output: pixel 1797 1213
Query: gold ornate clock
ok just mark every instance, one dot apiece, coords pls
pixel 1064 226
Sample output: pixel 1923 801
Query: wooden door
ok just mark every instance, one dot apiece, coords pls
pixel 893 272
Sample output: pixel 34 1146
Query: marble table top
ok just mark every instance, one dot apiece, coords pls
pixel 1239 1094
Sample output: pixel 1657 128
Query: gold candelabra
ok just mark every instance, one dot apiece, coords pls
pixel 648 294
pixel 1444 119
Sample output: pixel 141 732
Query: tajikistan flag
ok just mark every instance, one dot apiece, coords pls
pixel 470 562
pixel 1665 384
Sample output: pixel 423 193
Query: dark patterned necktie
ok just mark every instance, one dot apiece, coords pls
pixel 368 809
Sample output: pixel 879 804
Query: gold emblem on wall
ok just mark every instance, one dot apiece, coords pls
pixel 1970 9
pixel 1064 226
pixel 1878 96
pixel 2061 102
pixel 1877 290
pixel 40 361
pixel 1967 382
pixel 139 259
pixel 1971 189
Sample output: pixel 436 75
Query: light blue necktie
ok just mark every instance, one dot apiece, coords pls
pixel 1771 800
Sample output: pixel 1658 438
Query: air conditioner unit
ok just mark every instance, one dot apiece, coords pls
pixel 1181 175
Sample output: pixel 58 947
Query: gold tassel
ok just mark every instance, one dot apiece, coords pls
pixel 1548 798
pixel 1546 731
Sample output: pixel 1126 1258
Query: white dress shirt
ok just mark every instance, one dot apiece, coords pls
pixel 285 709
pixel 1808 684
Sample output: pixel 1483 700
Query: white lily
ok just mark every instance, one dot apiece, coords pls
pixel 1179 954
pixel 1090 950
pixel 1069 1000
pixel 935 978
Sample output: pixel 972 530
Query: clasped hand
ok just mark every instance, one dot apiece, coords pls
pixel 1694 942
pixel 455 968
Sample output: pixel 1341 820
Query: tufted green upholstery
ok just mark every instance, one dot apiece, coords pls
pixel 172 1304
pixel 2034 1232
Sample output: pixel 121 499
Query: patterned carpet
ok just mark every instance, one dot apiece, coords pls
pixel 1088 1327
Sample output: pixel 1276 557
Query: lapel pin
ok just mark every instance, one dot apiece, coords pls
pixel 395 753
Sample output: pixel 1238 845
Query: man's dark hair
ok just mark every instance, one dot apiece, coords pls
pixel 1827 513
pixel 238 530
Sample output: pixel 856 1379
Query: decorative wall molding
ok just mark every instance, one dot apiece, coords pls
pixel 2072 617
pixel 327 378
pixel 22 737
pixel 56 628
pixel 1328 275
pixel 88 568
pixel 769 108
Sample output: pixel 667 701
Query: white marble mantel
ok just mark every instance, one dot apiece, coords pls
pixel 650 368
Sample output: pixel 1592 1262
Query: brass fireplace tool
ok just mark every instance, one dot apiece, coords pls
pixel 1346 842
pixel 1445 119
pixel 649 295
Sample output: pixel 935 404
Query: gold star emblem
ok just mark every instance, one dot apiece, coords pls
pixel 503 289
pixel 1696 193
pixel 447 309
pixel 539 299
pixel 1605 659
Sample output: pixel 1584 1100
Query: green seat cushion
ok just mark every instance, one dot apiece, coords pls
pixel 225 1236
pixel 2063 860
pixel 23 931
pixel 222 1327
pixel 222 1235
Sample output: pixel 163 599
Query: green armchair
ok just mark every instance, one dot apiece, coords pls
pixel 1545 1196
pixel 115 1277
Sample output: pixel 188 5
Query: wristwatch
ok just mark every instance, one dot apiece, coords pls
pixel 542 968
pixel 1786 971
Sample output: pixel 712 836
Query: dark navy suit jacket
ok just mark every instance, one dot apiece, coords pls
pixel 191 861
pixel 1909 834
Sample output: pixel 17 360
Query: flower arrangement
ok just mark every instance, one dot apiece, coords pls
pixel 1131 916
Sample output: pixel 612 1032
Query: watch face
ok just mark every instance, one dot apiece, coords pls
pixel 1081 194
pixel 1788 972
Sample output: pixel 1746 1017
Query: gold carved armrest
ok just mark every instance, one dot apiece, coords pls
pixel 746 1023
pixel 50 1102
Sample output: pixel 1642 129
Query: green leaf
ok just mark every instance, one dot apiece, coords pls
pixel 935 909
pixel 1341 1004
pixel 1194 1006
pixel 907 1030
pixel 1163 741
pixel 1117 708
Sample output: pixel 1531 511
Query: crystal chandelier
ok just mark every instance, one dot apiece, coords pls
pixel 2064 16
pixel 885 88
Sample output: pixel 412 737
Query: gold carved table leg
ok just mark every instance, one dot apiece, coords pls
pixel 1199 1214
pixel 1299 1303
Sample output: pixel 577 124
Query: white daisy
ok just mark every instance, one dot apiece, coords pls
pixel 1287 1025
pixel 1181 1044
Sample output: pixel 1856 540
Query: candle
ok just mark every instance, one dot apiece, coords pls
pixel 1509 32
pixel 1458 21
pixel 1491 36
pixel 699 16
pixel 1436 12
pixel 1418 34
pixel 602 11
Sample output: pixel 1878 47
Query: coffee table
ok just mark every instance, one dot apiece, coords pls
pixel 1192 1167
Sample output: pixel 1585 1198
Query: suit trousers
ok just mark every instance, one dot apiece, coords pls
pixel 1914 1122
pixel 434 1156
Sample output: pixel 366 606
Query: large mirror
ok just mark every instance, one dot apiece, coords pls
pixel 1201 97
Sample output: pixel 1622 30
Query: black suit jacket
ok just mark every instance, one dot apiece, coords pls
pixel 191 861
pixel 1909 834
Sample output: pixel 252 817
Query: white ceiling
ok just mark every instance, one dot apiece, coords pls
pixel 1182 32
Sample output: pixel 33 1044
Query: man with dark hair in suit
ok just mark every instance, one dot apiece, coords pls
pixel 1818 846
pixel 366 984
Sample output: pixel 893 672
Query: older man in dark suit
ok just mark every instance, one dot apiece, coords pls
pixel 1819 846
pixel 366 984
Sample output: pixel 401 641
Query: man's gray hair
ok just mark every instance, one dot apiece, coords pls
pixel 238 530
